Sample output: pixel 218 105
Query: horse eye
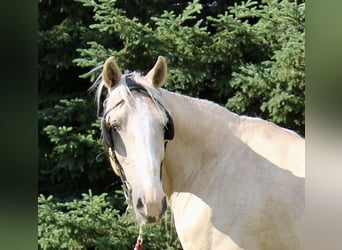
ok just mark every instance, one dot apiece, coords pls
pixel 115 126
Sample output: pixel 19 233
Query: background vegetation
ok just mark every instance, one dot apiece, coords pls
pixel 245 55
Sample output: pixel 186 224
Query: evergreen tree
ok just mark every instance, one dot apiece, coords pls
pixel 249 58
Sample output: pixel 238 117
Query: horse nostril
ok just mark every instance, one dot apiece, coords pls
pixel 140 204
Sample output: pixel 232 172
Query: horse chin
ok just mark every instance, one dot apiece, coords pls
pixel 142 219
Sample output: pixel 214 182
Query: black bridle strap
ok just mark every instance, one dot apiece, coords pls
pixel 125 184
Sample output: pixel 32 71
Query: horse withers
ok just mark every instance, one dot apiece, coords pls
pixel 232 182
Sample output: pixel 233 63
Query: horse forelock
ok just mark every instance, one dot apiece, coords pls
pixel 122 92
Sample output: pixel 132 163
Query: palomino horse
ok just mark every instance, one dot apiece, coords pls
pixel 232 182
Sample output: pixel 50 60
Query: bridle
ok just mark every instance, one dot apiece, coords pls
pixel 108 134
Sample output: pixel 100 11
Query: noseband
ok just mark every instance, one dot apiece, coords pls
pixel 108 134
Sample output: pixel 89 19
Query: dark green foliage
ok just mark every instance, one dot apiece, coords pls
pixel 62 28
pixel 200 61
pixel 275 88
pixel 69 149
pixel 93 223
pixel 249 58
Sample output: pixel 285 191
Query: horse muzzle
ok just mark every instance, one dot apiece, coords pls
pixel 150 208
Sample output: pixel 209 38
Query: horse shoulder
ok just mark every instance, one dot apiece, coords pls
pixel 280 146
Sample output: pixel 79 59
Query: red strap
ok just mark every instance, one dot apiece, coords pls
pixel 138 246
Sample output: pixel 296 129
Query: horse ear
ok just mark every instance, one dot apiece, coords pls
pixel 111 73
pixel 157 75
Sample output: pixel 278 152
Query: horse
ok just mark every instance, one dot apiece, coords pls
pixel 231 181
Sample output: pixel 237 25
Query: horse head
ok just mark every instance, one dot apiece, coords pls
pixel 136 126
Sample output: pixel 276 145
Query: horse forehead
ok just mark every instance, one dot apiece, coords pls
pixel 144 114
pixel 145 103
pixel 134 104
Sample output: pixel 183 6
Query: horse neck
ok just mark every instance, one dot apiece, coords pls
pixel 202 131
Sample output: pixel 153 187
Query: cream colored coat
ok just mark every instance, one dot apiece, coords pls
pixel 232 182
